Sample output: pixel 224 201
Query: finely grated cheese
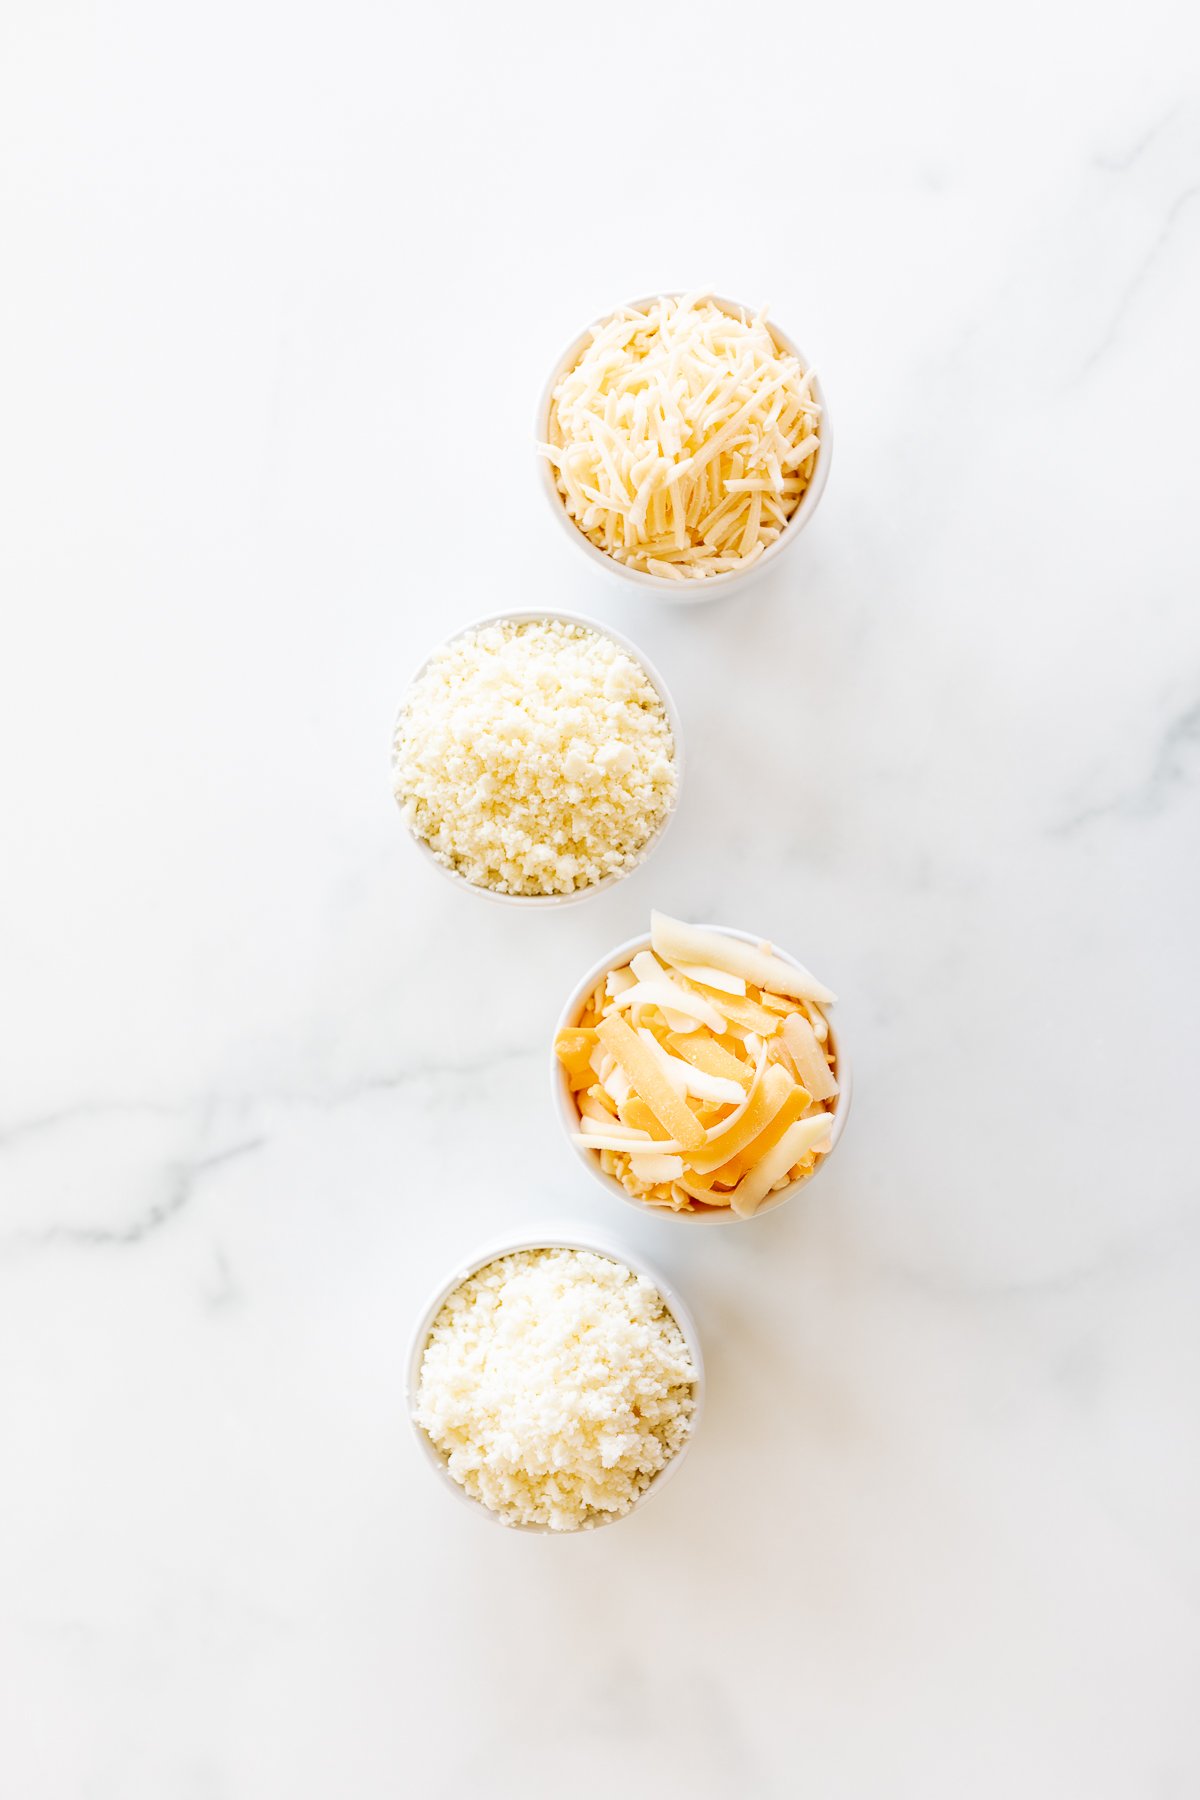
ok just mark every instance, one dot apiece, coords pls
pixel 534 758
pixel 556 1384
pixel 684 438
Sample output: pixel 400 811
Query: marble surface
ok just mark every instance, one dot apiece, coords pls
pixel 265 1077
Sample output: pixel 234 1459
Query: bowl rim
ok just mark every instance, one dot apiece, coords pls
pixel 568 1115
pixel 552 1236
pixel 712 587
pixel 531 615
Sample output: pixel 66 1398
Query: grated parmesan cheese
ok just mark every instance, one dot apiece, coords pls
pixel 556 1384
pixel 534 758
pixel 684 438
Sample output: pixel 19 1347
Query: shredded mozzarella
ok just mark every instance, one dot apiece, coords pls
pixel 684 438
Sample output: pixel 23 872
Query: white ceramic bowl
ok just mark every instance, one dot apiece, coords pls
pixel 712 587
pixel 568 1113
pixel 551 1237
pixel 664 694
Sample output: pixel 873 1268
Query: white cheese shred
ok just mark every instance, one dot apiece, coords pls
pixel 684 438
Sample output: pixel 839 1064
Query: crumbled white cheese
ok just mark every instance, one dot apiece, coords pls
pixel 684 438
pixel 534 758
pixel 556 1384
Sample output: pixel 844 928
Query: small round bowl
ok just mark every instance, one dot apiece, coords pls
pixel 568 1113
pixel 551 1237
pixel 711 587
pixel 664 694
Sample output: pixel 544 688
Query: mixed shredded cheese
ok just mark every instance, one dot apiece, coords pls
pixel 703 1072
pixel 684 438
pixel 556 1384
pixel 534 758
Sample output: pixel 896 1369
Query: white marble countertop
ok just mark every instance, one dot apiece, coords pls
pixel 264 1077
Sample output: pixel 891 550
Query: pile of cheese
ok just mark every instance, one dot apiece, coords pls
pixel 534 758
pixel 703 1071
pixel 684 438
pixel 556 1384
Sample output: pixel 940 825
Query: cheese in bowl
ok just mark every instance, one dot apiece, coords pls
pixel 556 1384
pixel 699 1074
pixel 536 757
pixel 685 437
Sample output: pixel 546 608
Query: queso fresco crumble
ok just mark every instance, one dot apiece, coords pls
pixel 556 1384
pixel 534 758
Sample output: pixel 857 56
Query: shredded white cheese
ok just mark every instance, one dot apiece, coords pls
pixel 556 1384
pixel 684 438
pixel 534 758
